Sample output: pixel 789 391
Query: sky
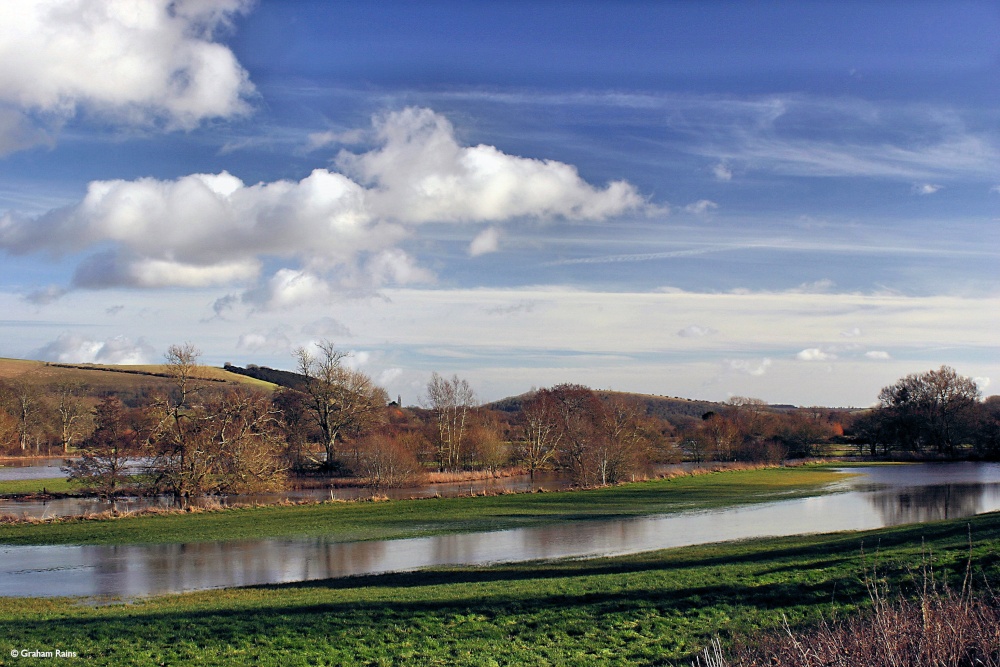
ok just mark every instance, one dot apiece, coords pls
pixel 798 202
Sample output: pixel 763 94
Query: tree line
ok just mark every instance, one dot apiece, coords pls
pixel 194 437
pixel 937 413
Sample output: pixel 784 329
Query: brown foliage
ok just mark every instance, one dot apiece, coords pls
pixel 384 462
pixel 940 627
pixel 486 449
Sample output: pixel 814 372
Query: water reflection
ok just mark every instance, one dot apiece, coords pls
pixel 933 503
pixel 882 496
pixel 13 469
pixel 74 506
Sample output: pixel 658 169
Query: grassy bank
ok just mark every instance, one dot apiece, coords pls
pixel 9 487
pixel 655 608
pixel 356 521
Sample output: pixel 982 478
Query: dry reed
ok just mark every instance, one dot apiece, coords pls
pixel 939 627
pixel 449 477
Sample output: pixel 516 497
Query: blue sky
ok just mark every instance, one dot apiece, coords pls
pixel 793 201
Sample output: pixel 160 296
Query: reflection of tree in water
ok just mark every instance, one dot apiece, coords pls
pixel 165 568
pixel 345 559
pixel 583 536
pixel 928 503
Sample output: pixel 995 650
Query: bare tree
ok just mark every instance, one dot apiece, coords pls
pixel 104 464
pixel 487 448
pixel 722 435
pixel 71 412
pixel 540 433
pixel 386 462
pixel 936 409
pixel 450 400
pixel 9 434
pixel 343 401
pixel 24 402
pixel 619 452
pixel 296 423
pixel 988 428
pixel 751 421
pixel 578 414
pixel 183 460
pixel 244 429
pixel 230 442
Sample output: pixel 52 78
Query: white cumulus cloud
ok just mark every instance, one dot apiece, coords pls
pixel 750 367
pixel 722 172
pixel 274 340
pixel 135 62
pixel 701 207
pixel 326 231
pixel 926 188
pixel 486 241
pixel 73 348
pixel 696 331
pixel 421 173
pixel 288 288
pixel 815 354
pixel 878 355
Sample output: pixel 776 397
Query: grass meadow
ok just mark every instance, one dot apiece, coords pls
pixel 658 608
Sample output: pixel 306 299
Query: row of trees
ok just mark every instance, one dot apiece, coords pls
pixel 938 412
pixel 747 429
pixel 34 420
pixel 198 437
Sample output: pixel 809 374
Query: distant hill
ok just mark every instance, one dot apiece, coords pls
pixel 271 375
pixel 102 380
pixel 672 409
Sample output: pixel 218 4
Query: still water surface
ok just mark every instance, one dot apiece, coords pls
pixel 47 508
pixel 879 496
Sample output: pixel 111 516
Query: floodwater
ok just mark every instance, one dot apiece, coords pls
pixel 62 507
pixel 46 508
pixel 879 496
pixel 11 469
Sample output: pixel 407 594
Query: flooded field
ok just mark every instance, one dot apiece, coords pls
pixel 879 496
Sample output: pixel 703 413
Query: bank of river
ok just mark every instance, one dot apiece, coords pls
pixel 876 497
pixel 28 499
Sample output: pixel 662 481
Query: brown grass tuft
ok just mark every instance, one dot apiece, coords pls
pixel 939 627
pixel 450 477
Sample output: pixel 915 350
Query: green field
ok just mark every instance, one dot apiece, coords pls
pixel 355 521
pixel 31 486
pixel 649 609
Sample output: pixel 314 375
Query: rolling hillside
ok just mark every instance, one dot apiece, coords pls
pixel 664 407
pixel 107 379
